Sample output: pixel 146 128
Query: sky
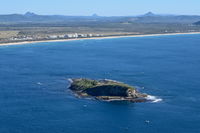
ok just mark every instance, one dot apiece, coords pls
pixel 101 7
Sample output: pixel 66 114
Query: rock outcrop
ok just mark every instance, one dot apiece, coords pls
pixel 107 90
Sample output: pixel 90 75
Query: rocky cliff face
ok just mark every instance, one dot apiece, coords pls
pixel 109 90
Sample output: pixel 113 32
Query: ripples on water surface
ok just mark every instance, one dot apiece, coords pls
pixel 34 96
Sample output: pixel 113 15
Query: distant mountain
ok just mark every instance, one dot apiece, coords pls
pixel 149 14
pixel 95 15
pixel 149 17
pixel 32 17
pixel 30 14
pixel 197 23
pixel 158 18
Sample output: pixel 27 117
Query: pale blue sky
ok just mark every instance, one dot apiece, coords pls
pixel 101 7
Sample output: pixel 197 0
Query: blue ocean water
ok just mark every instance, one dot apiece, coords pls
pixel 34 97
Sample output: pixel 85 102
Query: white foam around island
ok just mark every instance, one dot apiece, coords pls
pixel 70 80
pixel 154 99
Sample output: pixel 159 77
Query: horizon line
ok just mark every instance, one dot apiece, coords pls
pixel 95 14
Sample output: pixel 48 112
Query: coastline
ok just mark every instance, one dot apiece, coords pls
pixel 108 37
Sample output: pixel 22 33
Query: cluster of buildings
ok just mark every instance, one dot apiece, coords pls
pixel 21 38
pixel 72 36
pixel 49 37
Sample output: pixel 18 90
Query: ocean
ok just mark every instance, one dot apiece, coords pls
pixel 34 94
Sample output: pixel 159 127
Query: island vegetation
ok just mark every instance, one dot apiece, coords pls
pixel 106 90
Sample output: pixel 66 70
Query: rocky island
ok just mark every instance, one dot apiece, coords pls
pixel 106 90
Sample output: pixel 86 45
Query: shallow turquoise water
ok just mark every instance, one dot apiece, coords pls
pixel 34 95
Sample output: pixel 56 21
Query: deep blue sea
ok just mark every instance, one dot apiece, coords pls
pixel 34 95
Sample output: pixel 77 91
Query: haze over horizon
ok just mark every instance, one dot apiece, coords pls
pixel 102 8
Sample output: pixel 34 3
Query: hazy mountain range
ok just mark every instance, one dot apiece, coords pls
pixel 146 18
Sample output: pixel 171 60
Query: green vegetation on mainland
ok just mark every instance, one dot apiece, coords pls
pixel 33 27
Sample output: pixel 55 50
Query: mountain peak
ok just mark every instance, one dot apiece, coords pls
pixel 30 14
pixel 149 14
pixel 95 15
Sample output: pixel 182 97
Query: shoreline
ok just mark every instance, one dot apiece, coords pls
pixel 93 38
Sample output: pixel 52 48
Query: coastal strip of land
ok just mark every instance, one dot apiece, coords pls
pixel 91 38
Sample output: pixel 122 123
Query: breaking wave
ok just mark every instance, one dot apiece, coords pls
pixel 70 80
pixel 153 99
